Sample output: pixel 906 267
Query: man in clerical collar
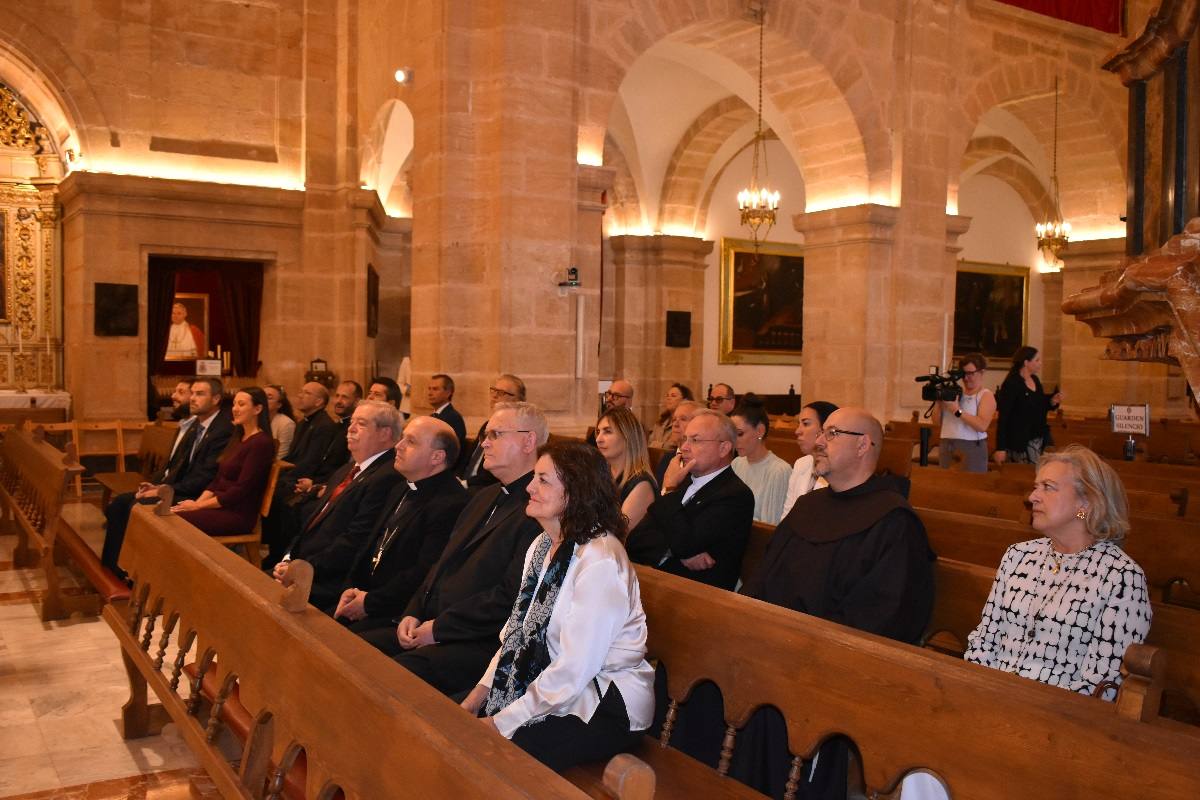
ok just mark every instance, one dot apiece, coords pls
pixel 449 629
pixel 409 535
pixel 699 527
pixel 855 552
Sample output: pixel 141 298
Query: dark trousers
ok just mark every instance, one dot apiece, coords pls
pixel 379 632
pixel 453 669
pixel 562 742
pixel 117 515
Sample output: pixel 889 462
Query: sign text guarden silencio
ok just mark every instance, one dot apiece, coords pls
pixel 1130 419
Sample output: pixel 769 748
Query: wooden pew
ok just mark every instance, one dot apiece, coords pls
pixel 154 448
pixel 962 591
pixel 989 735
pixel 322 713
pixel 1168 551
pixel 36 480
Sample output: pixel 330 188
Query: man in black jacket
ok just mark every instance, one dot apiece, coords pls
pixel 316 436
pixel 440 394
pixel 699 528
pixel 340 524
pixel 410 534
pixel 189 470
pixel 451 627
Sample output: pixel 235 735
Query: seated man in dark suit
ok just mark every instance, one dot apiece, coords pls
pixel 410 534
pixel 316 435
pixel 451 627
pixel 340 526
pixel 699 528
pixel 189 470
pixel 439 394
pixel 505 389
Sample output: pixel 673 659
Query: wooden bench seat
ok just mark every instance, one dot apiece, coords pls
pixel 365 727
pixel 154 448
pixel 36 481
pixel 987 734
pixel 962 591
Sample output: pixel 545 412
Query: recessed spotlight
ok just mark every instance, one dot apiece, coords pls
pixel 404 76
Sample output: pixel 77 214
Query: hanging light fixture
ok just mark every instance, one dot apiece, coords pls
pixel 1054 233
pixel 758 203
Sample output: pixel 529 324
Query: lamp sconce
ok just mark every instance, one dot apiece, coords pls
pixel 404 76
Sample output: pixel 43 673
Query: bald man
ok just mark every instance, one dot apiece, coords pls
pixel 854 553
pixel 619 395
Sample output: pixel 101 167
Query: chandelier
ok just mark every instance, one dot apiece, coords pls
pixel 1053 233
pixel 758 203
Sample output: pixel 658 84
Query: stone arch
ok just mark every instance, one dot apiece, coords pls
pixel 38 68
pixel 1017 174
pixel 682 204
pixel 835 123
pixel 386 153
pixel 624 205
pixel 1011 82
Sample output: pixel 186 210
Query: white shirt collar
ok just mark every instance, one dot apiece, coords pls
pixel 368 461
pixel 699 483
pixel 442 407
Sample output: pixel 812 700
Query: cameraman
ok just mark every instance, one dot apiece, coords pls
pixel 965 421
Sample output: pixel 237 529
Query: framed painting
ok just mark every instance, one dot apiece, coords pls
pixel 991 309
pixel 187 337
pixel 761 317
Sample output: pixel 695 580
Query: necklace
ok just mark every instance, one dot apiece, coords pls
pixel 1056 560
pixel 388 535
pixel 1050 596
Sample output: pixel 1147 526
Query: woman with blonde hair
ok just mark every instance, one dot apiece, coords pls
pixel 1064 607
pixel 622 442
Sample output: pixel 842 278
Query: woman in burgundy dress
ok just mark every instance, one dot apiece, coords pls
pixel 230 503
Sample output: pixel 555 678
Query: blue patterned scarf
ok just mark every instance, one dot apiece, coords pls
pixel 524 652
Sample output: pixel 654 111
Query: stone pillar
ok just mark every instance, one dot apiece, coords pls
pixel 1090 382
pixel 496 188
pixel 848 306
pixel 595 291
pixel 654 275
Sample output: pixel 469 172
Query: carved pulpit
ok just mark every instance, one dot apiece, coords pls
pixel 1150 307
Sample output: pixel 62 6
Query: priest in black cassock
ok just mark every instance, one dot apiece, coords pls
pixel 410 534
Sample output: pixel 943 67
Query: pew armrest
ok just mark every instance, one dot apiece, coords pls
pixel 1144 669
pixel 627 777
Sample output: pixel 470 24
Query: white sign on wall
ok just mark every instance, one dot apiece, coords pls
pixel 208 366
pixel 1130 419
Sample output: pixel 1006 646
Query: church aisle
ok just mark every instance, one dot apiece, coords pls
pixel 61 691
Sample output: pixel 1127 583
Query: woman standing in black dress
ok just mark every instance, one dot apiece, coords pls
pixel 1022 433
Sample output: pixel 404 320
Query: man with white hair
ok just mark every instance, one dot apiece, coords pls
pixel 343 519
pixel 700 529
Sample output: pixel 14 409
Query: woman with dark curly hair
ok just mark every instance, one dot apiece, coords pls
pixel 570 682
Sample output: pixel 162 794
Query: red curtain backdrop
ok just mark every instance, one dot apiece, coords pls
pixel 1103 15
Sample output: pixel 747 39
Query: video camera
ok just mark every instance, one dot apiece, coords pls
pixel 940 387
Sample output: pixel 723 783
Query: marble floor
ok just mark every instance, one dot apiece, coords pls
pixel 61 690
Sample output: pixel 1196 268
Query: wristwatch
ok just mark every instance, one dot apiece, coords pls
pixel 958 413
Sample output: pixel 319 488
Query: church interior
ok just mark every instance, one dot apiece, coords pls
pixel 321 190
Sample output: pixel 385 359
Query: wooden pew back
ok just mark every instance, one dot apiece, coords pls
pixel 962 591
pixel 984 732
pixel 365 726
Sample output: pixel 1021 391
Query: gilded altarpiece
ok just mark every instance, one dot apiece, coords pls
pixel 30 341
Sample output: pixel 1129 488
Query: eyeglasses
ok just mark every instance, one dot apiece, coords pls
pixel 492 435
pixel 967 374
pixel 698 440
pixel 497 392
pixel 716 398
pixel 615 394
pixel 832 433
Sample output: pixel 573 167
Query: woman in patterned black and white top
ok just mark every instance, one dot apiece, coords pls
pixel 1063 608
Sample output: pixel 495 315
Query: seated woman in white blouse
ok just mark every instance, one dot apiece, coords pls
pixel 1063 608
pixel 803 480
pixel 570 682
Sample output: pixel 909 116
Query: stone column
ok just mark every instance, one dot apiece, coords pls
pixel 1090 382
pixel 653 275
pixel 848 306
pixel 496 188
